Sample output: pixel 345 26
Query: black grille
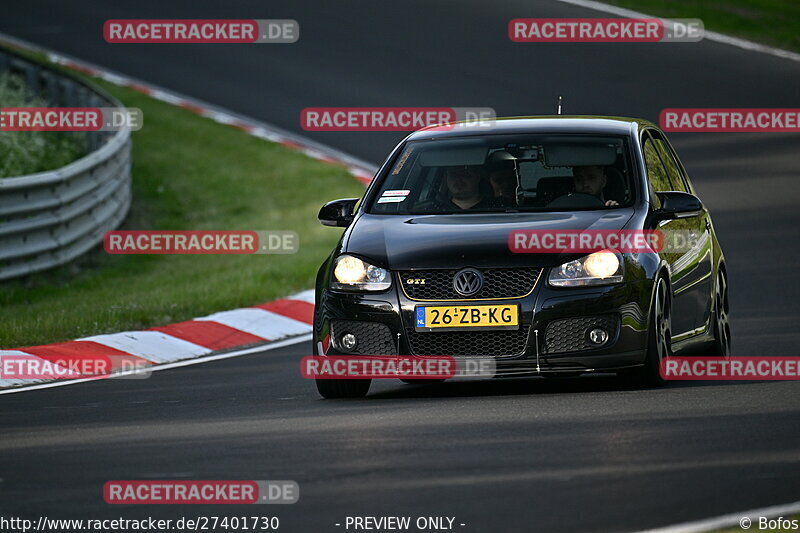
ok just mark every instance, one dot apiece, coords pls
pixel 372 338
pixel 497 283
pixel 569 335
pixel 477 343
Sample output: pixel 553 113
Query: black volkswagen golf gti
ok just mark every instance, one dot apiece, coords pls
pixel 430 242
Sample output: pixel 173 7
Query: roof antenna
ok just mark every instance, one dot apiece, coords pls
pixel 559 104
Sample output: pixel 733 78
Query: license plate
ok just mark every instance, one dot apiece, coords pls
pixel 429 318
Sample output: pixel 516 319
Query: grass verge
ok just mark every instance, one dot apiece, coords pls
pixel 772 22
pixel 188 173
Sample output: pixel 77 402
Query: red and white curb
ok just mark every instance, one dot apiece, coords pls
pixel 225 333
pixel 250 326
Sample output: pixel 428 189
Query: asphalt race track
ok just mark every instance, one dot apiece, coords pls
pixel 499 455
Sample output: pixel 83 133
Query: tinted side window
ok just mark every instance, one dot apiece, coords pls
pixel 657 178
pixel 673 169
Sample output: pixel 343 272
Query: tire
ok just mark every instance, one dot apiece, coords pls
pixel 659 337
pixel 722 325
pixel 422 381
pixel 659 341
pixel 343 388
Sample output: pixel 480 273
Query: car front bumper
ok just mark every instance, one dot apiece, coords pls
pixel 551 339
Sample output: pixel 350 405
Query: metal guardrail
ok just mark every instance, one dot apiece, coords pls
pixel 50 218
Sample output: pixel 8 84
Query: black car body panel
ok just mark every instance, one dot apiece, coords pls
pixel 478 240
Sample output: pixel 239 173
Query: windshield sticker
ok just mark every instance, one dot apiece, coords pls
pixel 393 196
pixel 396 192
pixel 402 161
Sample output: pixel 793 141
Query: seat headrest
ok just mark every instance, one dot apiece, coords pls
pixel 615 185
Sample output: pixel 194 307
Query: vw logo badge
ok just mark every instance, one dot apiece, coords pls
pixel 468 282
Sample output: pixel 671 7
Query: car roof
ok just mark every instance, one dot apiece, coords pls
pixel 539 124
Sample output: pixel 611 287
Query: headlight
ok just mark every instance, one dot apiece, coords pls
pixel 599 268
pixel 351 273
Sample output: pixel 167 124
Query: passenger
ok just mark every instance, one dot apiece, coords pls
pixel 591 180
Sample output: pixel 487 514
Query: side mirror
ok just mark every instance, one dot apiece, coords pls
pixel 676 204
pixel 338 213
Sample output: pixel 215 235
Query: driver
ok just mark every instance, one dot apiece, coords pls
pixel 464 187
pixel 591 180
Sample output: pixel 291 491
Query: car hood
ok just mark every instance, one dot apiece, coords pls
pixel 455 241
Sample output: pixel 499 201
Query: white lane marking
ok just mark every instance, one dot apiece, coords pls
pixel 154 346
pixel 260 322
pixel 710 35
pixel 730 520
pixel 305 296
pixel 178 364
pixel 219 116
pixel 165 97
pixel 262 133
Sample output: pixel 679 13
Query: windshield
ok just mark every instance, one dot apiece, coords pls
pixel 502 173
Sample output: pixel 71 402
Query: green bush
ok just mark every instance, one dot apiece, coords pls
pixel 27 152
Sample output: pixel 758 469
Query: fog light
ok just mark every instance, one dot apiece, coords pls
pixel 348 341
pixel 598 336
